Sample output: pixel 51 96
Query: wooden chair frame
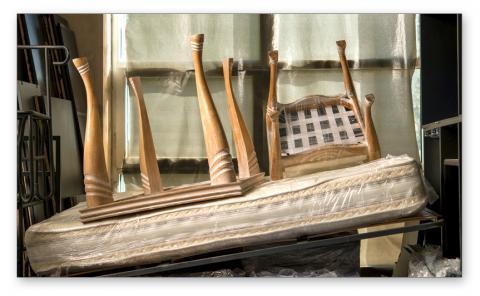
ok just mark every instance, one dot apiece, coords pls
pixel 330 155
pixel 223 181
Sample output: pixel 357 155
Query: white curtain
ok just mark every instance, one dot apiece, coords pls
pixel 163 40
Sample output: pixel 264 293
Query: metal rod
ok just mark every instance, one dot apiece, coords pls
pixel 47 84
pixel 46 48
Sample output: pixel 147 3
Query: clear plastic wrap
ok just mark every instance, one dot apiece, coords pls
pixel 322 202
pixel 428 262
pixel 334 261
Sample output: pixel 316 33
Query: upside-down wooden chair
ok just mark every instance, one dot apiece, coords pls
pixel 318 132
pixel 223 183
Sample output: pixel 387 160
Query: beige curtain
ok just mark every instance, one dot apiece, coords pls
pixel 163 40
pixel 159 43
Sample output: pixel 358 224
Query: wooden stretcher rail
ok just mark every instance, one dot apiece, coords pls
pixel 175 196
pixel 329 152
pixel 316 101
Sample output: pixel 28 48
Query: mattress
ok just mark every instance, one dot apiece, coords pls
pixel 321 202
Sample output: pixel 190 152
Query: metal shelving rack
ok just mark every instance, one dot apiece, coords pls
pixel 37 178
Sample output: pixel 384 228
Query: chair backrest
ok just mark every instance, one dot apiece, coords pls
pixel 328 130
pixel 316 121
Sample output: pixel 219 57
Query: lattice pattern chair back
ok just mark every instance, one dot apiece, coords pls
pixel 303 128
pixel 319 132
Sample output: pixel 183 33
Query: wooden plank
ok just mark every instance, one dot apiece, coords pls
pixel 424 215
pixel 326 165
pixel 176 196
pixel 316 101
pixel 325 153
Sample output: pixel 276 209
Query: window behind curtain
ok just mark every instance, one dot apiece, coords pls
pixel 157 47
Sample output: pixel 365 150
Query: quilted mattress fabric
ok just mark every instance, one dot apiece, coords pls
pixel 384 189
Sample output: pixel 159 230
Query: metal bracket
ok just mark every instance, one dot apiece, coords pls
pixel 46 48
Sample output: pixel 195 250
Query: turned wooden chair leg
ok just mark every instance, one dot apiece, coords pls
pixel 246 156
pixel 272 121
pixel 219 158
pixel 370 133
pixel 347 80
pixel 150 173
pixel 97 185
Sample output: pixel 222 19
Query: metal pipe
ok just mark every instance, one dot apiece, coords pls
pixel 46 48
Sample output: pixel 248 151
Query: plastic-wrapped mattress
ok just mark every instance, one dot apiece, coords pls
pixel 387 188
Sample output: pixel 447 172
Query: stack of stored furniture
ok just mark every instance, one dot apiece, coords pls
pixel 163 224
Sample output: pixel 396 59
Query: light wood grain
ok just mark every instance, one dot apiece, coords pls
pixel 218 153
pixel 370 133
pixel 324 165
pixel 177 196
pixel 246 156
pixel 150 174
pixel 347 80
pixel 272 123
pixel 327 152
pixel 97 184
pixel 317 101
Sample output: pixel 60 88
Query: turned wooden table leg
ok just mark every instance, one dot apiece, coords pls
pixel 246 156
pixel 219 158
pixel 370 133
pixel 97 184
pixel 272 121
pixel 150 173
pixel 347 80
